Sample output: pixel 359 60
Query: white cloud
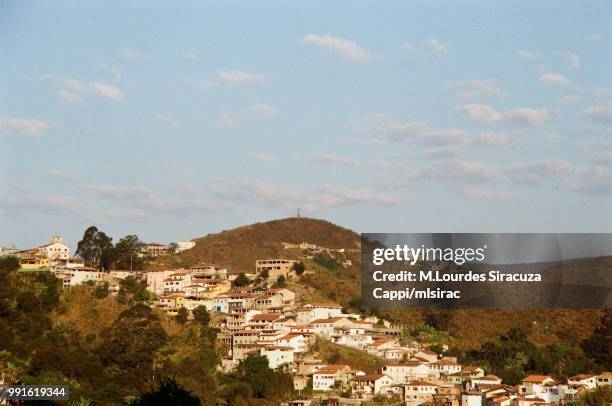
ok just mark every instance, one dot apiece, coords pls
pixel 528 55
pixel 572 59
pixel 486 194
pixel 416 131
pixel 227 120
pixel 131 53
pixel 478 89
pixel 69 97
pixel 494 139
pixel 74 88
pixel 260 157
pixel 332 159
pixel 599 112
pixel 22 126
pixel 554 79
pixel 437 47
pixel 240 77
pixel 286 197
pixel 460 170
pixel 63 175
pixel 72 84
pixel 488 115
pixel 264 110
pixel 347 49
pixel 534 172
pixel 105 90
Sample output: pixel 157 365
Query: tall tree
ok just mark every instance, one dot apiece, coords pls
pixel 129 253
pixel 96 248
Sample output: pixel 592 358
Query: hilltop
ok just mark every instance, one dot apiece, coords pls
pixel 239 248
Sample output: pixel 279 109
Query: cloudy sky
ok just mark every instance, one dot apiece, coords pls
pixel 172 121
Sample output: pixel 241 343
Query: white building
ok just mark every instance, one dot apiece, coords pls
pixel 326 377
pixel 277 355
pixel 406 371
pixel 184 246
pixel 313 311
pixel 56 249
pixel 155 280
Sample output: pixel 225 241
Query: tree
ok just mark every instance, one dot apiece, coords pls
pixel 132 343
pixel 264 382
pixel 96 248
pixel 201 315
pixel 129 253
pixel 173 247
pixel 168 393
pixel 241 280
pixel 182 315
pixel 299 268
pixel 281 281
pixel 265 274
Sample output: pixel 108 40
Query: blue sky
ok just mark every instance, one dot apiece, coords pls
pixel 175 120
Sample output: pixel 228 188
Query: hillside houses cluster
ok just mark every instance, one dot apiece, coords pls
pixel 272 322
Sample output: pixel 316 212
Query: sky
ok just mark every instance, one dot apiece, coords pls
pixel 172 120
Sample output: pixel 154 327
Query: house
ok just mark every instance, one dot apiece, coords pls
pixel 380 345
pixel 325 378
pixel 325 327
pixel 403 372
pixel 156 249
pixel 264 320
pixel 418 392
pixel 534 384
pixel 183 246
pixel 171 302
pixel 300 342
pixel 155 280
pixel 56 249
pixel 277 355
pixel 472 398
pixel 445 366
pixel 476 382
pixel 177 281
pixel 78 276
pixel 34 263
pixel 604 379
pixel 368 386
pixel 275 267
pixel 314 311
pixel 428 355
pixel 589 381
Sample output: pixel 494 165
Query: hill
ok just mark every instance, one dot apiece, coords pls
pixel 327 280
pixel 239 248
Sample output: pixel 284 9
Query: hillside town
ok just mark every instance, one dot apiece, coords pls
pixel 264 317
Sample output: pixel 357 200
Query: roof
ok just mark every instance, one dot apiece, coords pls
pixel 368 377
pixel 409 364
pixel 326 369
pixel 536 378
pixel 489 378
pixel 420 383
pixel 445 362
pixel 329 320
pixel 291 335
pixel 267 316
pixel 581 377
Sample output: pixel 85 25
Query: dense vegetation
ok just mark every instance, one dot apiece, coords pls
pixel 117 353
